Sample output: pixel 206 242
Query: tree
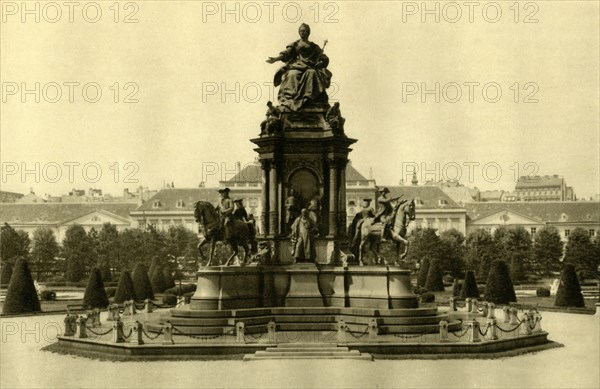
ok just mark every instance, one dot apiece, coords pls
pixel 75 250
pixel 13 244
pixel 156 262
pixel 469 287
pixel 21 296
pixel 569 291
pixel 176 241
pixel 108 250
pixel 6 270
pixel 480 252
pixel 499 287
pixel 141 282
pixel 547 250
pixel 125 289
pixel 434 277
pixel 517 252
pixel 423 270
pixel 45 250
pixel 452 252
pixel 581 252
pixel 158 280
pixel 95 294
pixel 424 242
pixel 93 255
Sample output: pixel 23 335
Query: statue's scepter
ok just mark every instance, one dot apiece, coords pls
pixel 322 50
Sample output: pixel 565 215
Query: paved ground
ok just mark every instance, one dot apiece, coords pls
pixel 576 365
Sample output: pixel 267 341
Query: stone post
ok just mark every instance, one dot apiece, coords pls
pixel 271 329
pixel 109 312
pixel 506 311
pixel 452 303
pixel 168 333
pixel 70 325
pixel 514 317
pixel 525 324
pixel 139 332
pixel 97 322
pixel 341 333
pixel 239 332
pixel 81 321
pixel 89 315
pixel 469 304
pixel 443 331
pixel 132 310
pixel 148 306
pixel 492 330
pixel 538 322
pixel 474 331
pixel 373 329
pixel 475 306
pixel 491 314
pixel 126 308
pixel 484 310
pixel 118 334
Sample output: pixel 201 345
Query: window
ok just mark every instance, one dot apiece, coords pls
pixel 254 202
pixel 156 204
pixel 567 233
pixel 592 233
pixel 180 204
pixel 443 202
pixel 533 230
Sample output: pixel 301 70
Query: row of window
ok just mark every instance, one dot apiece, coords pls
pixel 252 202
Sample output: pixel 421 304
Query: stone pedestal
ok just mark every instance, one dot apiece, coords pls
pixel 400 289
pixel 304 286
pixel 227 288
pixel 331 285
pixel 367 286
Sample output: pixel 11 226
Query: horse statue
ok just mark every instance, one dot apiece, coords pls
pixel 396 231
pixel 211 221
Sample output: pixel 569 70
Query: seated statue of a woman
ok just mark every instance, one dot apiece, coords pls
pixel 304 78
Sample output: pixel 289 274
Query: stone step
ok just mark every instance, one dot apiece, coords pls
pixel 304 345
pixel 307 349
pixel 361 357
pixel 306 353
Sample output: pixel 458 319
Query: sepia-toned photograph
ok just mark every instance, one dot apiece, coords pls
pixel 300 194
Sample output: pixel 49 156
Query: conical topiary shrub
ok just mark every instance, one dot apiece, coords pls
pixel 141 283
pixel 569 290
pixel 423 270
pixel 125 290
pixel 6 272
pixel 95 294
pixel 169 282
pixel 499 287
pixel 21 296
pixel 158 280
pixel 469 287
pixel 434 277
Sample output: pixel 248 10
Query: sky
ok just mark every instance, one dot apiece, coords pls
pixel 149 92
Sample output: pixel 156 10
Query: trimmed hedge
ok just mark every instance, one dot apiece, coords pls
pixel 48 295
pixel 125 290
pixel 21 296
pixel 499 288
pixel 569 290
pixel 457 288
pixel 95 294
pixel 542 292
pixel 168 276
pixel 427 297
pixel 185 288
pixel 157 280
pixel 434 276
pixel 423 270
pixel 169 299
pixel 469 288
pixel 141 283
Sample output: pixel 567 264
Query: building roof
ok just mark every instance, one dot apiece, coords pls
pixel 169 198
pixel 56 213
pixel 491 195
pixel 251 173
pixel 429 195
pixel 550 211
pixel 526 182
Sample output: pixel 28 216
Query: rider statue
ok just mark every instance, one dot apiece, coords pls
pixel 240 213
pixel 365 212
pixel 384 210
pixel 225 209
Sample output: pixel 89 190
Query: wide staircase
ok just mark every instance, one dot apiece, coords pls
pixel 307 351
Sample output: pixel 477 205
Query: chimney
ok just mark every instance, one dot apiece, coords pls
pixel 414 180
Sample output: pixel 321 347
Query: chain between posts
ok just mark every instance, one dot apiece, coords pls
pixel 162 330
pixel 99 333
pixel 484 333
pixel 179 332
pixel 510 330
pixel 365 332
